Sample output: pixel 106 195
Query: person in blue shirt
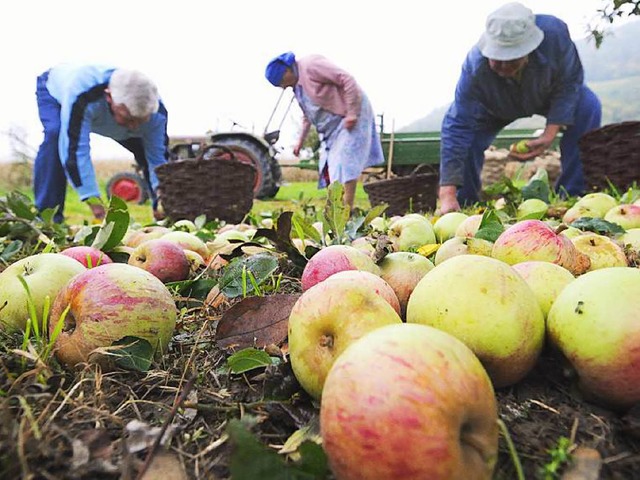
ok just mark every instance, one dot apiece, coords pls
pixel 524 64
pixel 76 100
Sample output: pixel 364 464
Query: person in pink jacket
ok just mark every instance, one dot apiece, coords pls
pixel 331 100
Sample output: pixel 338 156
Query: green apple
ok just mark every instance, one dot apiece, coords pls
pixel 486 304
pixel 532 208
pixel 579 211
pixel 469 226
pixel 408 401
pixel 631 238
pixel 546 279
pixel 601 250
pixel 326 319
pixel 595 324
pixel 445 227
pixel 521 146
pixel 45 274
pixel 410 232
pixel 625 215
pixel 599 203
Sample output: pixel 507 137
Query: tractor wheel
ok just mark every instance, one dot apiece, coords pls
pixel 129 186
pixel 269 173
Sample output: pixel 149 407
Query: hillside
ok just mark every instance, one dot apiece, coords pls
pixel 612 71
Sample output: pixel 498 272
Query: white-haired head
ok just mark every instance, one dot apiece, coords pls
pixel 134 90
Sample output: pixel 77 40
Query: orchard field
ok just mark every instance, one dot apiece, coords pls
pixel 221 400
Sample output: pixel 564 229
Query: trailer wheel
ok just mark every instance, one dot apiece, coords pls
pixel 269 171
pixel 129 186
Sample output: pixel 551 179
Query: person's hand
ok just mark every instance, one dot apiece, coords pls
pixel 98 210
pixel 158 214
pixel 350 121
pixel 297 148
pixel 536 147
pixel 448 199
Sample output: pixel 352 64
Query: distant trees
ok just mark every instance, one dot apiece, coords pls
pixel 610 12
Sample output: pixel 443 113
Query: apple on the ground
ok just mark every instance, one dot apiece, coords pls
pixel 546 279
pixel 602 251
pixel 109 303
pixel 402 271
pixel 164 259
pixel 445 227
pixel 88 256
pixel 326 319
pixel 45 274
pixel 594 322
pixel 333 259
pixel 418 389
pixel 486 304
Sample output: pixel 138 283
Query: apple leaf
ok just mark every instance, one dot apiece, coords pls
pixel 336 213
pixel 261 266
pixel 256 321
pixel 251 459
pixel 11 249
pixel 197 289
pixel 536 189
pixel 490 226
pixel 248 359
pixel 280 236
pixel 21 205
pixel 597 225
pixel 304 229
pixel 114 227
pixel 135 354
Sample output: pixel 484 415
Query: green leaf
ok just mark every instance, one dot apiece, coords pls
pixel 115 225
pixel 248 359
pixel 336 213
pixel 261 265
pixel 375 212
pixel 21 205
pixel 304 229
pixel 536 189
pixel 200 221
pixel 250 459
pixel 597 225
pixel 197 289
pixel 135 354
pixel 11 249
pixel 490 226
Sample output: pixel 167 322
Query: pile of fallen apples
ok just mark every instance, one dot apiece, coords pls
pixel 400 349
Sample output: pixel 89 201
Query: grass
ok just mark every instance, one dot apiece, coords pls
pixel 292 196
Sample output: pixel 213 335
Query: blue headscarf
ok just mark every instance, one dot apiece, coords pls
pixel 276 68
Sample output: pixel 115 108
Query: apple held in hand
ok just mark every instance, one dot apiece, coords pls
pixel 163 259
pixel 409 402
pixel 45 274
pixel 88 256
pixel 521 146
pixel 595 322
pixel 486 304
pixel 108 303
pixel 326 319
pixel 333 259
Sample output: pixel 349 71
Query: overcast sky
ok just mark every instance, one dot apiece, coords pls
pixel 208 57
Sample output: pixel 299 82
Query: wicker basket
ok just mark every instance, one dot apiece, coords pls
pixel 416 192
pixel 214 184
pixel 611 154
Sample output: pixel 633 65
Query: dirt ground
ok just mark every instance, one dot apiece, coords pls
pixel 89 425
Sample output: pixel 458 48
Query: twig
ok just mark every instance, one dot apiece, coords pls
pixel 172 414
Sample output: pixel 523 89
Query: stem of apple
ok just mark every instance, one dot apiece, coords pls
pixel 326 340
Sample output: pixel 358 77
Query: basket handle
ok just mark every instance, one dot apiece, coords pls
pixel 206 148
pixel 423 166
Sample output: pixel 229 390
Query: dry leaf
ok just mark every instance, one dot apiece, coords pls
pixel 256 322
pixel 165 466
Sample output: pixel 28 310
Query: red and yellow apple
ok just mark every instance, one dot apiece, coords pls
pixel 164 259
pixel 419 390
pixel 403 271
pixel 546 279
pixel 88 256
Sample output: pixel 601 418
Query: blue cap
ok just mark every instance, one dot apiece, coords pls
pixel 276 68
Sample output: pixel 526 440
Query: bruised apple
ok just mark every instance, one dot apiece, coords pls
pixel 108 303
pixel 419 390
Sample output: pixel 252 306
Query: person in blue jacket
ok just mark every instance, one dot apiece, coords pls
pixel 523 64
pixel 76 100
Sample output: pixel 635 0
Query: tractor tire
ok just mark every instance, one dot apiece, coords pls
pixel 129 186
pixel 269 173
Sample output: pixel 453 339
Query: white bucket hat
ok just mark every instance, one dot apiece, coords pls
pixel 511 32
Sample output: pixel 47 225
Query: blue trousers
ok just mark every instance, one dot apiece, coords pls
pixel 571 181
pixel 49 176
